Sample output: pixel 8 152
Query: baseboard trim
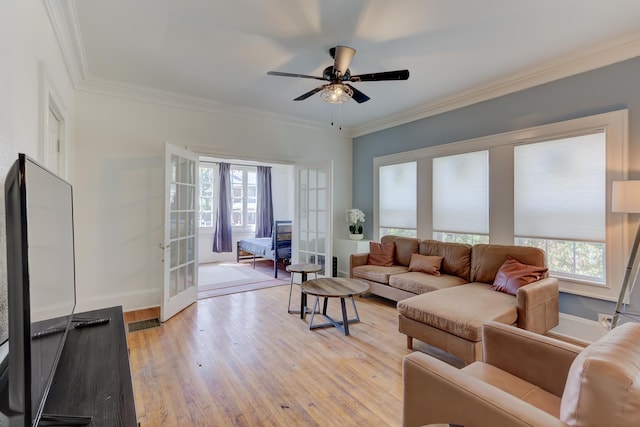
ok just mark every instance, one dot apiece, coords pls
pixel 129 301
pixel 578 329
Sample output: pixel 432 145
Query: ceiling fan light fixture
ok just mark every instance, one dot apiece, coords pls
pixel 336 93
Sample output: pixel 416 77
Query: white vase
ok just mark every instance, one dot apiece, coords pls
pixel 356 236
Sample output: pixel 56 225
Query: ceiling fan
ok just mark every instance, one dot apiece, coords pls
pixel 337 91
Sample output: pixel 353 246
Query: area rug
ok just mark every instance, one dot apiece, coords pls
pixel 227 278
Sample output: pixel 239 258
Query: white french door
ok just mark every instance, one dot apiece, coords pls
pixel 312 228
pixel 180 231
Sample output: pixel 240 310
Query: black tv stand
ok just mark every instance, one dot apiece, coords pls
pixel 93 378
pixel 63 420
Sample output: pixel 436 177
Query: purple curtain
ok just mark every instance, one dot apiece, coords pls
pixel 264 209
pixel 222 240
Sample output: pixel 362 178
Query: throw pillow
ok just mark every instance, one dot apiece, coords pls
pixel 381 254
pixel 429 264
pixel 513 274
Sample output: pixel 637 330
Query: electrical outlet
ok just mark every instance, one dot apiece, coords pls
pixel 604 320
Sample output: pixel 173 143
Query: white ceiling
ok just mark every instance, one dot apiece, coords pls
pixel 216 54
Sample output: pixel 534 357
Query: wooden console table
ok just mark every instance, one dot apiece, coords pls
pixel 93 377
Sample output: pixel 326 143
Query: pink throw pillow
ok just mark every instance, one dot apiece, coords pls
pixel 513 274
pixel 429 264
pixel 381 254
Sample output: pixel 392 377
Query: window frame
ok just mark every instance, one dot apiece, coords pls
pixel 216 190
pixel 501 211
pixel 564 275
pixel 466 232
pixel 376 189
pixel 245 191
pixel 214 194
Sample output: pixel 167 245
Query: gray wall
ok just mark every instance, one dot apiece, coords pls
pixel 599 91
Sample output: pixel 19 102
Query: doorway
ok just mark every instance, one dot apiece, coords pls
pixel 219 273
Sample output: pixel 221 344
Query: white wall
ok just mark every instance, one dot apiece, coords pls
pixel 119 183
pixel 27 43
pixel 115 159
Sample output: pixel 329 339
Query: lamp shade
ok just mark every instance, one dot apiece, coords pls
pixel 625 197
pixel 336 93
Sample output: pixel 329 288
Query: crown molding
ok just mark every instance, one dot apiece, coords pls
pixel 596 57
pixel 64 20
pixel 203 105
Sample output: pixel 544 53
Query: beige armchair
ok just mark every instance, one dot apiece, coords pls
pixel 526 379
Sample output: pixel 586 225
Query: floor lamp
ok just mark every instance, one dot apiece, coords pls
pixel 625 198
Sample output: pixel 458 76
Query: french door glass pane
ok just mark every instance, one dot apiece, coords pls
pixel 173 196
pixel 313 202
pixel 174 254
pixel 173 283
pixel 312 178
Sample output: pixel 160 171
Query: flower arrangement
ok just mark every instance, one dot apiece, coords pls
pixel 355 219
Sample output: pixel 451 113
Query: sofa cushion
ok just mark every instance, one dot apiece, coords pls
pixel 456 257
pixel 429 264
pixel 419 283
pixel 377 273
pixel 513 274
pixel 603 385
pixel 405 246
pixel 461 310
pixel 486 260
pixel 515 386
pixel 381 254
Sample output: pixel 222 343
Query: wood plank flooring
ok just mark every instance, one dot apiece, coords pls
pixel 241 360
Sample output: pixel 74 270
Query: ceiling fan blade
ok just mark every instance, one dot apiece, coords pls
pixel 302 76
pixel 343 56
pixel 358 96
pixel 385 75
pixel 308 94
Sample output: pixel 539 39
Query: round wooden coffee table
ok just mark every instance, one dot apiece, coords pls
pixel 334 287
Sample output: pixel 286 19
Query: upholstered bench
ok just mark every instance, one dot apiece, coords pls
pixel 451 318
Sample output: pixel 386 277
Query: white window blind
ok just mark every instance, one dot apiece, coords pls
pixel 560 189
pixel 397 195
pixel 461 193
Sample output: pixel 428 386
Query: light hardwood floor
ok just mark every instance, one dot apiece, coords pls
pixel 241 360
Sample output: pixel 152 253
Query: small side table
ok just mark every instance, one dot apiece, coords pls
pixel 303 270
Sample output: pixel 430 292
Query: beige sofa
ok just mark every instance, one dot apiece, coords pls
pixel 526 379
pixel 397 282
pixel 448 311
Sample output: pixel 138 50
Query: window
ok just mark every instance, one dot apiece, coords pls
pixel 559 203
pixel 244 193
pixel 571 259
pixel 461 198
pixel 466 238
pixel 547 186
pixel 244 196
pixel 207 181
pixel 397 189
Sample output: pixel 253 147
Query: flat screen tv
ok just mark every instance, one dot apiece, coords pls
pixel 40 286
